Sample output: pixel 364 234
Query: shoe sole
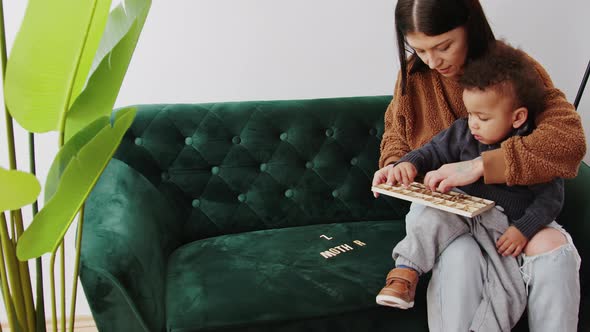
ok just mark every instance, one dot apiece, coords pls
pixel 392 301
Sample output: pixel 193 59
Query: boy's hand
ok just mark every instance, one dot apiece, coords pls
pixel 512 242
pixel 403 173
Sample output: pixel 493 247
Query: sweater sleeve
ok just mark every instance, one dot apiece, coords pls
pixel 554 149
pixel 544 209
pixel 444 148
pixel 393 143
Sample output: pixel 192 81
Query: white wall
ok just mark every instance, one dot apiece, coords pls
pixel 555 34
pixel 222 50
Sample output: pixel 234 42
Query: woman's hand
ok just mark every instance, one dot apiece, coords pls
pixel 403 173
pixel 454 175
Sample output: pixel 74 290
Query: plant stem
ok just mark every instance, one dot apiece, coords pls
pixel 40 309
pixel 5 290
pixel 62 133
pixel 13 272
pixel 52 286
pixel 32 166
pixel 69 96
pixel 9 126
pixel 22 267
pixel 12 228
pixel 3 52
pixel 63 284
pixel 25 277
pixel 76 268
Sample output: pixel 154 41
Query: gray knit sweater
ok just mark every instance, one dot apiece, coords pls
pixel 529 208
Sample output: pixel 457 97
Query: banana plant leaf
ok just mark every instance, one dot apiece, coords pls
pixel 18 189
pixel 69 151
pixel 112 59
pixel 79 177
pixel 40 89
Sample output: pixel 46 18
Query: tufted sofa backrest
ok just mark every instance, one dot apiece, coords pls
pixel 242 166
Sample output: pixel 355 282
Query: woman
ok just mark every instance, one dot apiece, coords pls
pixel 443 35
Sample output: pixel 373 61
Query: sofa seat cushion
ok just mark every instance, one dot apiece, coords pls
pixel 279 275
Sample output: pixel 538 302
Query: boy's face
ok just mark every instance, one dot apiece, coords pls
pixel 491 114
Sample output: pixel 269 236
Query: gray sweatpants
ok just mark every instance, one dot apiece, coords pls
pixel 428 233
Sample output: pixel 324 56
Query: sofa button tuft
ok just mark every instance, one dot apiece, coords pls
pixel 196 203
pixel 289 193
pixel 329 132
pixel 138 141
pixel 165 176
pixel 214 170
pixel 309 165
pixel 335 193
pixel 354 161
pixel 263 167
pixel 236 140
pixel 242 198
pixel 372 131
pixel 283 136
pixel 188 141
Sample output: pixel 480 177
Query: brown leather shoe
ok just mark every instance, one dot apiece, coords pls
pixel 400 289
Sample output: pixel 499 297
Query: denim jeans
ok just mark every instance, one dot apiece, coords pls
pixel 552 283
pixel 553 286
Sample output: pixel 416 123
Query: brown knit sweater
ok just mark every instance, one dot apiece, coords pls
pixel 432 103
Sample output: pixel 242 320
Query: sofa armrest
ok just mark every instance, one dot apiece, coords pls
pixel 576 210
pixel 129 232
pixel 575 217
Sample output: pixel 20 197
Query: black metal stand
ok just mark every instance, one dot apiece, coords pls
pixel 582 86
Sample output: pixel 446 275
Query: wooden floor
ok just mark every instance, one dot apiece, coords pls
pixel 82 324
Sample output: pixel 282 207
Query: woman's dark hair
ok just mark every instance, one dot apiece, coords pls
pixel 435 17
pixel 508 71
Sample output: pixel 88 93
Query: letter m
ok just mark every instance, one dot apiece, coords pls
pixel 327 254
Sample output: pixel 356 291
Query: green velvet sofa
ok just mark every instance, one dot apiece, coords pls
pixel 256 216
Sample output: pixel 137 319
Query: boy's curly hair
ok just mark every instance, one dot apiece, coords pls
pixel 509 72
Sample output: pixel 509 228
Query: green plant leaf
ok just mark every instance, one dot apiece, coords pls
pixel 110 65
pixel 69 151
pixel 51 223
pixel 18 189
pixel 50 59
